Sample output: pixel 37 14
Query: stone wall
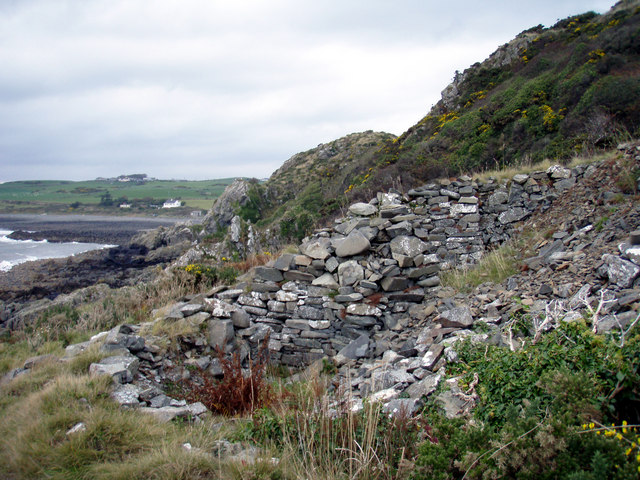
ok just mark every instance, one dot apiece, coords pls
pixel 352 286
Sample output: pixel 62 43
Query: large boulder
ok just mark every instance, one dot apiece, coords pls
pixel 354 244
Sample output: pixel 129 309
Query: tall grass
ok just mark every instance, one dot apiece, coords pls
pixel 318 439
pixel 529 167
pixel 496 266
pixel 38 409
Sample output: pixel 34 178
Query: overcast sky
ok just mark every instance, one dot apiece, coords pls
pixel 202 89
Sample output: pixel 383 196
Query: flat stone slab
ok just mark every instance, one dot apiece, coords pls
pixel 619 271
pixel 121 368
pixel 126 395
pixel 456 317
pixel 326 280
pixel 166 414
pixel 358 348
pixel 408 246
pixel 363 209
pixel 268 273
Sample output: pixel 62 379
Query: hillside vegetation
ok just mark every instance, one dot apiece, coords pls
pixel 569 90
pixel 553 92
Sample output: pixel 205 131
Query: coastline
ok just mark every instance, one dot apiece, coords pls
pixel 123 264
pixel 102 229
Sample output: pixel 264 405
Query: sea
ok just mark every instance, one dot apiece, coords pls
pixel 14 252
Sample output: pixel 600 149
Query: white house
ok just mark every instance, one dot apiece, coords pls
pixel 171 203
pixel 125 205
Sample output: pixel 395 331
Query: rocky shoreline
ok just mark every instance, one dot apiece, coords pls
pixel 81 228
pixel 143 243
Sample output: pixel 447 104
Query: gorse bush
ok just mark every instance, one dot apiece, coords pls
pixel 566 368
pixel 534 404
pixel 208 275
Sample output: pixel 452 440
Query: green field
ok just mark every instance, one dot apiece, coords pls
pixel 106 195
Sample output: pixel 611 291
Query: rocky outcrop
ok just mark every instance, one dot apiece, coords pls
pixel 225 207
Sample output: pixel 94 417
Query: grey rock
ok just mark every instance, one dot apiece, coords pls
pixel 498 198
pixel 424 387
pixel 160 401
pixel 390 211
pixel 459 317
pixel 354 244
pixel 381 380
pixel 166 414
pixel 240 319
pixel 520 178
pixel 403 407
pixel 402 228
pixel 350 272
pixel 317 248
pixel 268 273
pixel 297 276
pixel 619 271
pixel 231 294
pixel 631 252
pixel 326 280
pixel 283 262
pixel 408 246
pixel 432 356
pixel 565 184
pixel 358 348
pixel 558 172
pixel 331 264
pixel 463 209
pixel 122 368
pixel 220 333
pixel 309 313
pixel 392 284
pixel 362 309
pixel 513 215
pixel 449 193
pixel 348 298
pixel 220 308
pixel 126 395
pixel 363 209
pixel 191 309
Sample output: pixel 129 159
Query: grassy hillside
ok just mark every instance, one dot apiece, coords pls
pixel 553 92
pixel 107 195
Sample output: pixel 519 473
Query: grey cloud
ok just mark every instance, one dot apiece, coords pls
pixel 203 89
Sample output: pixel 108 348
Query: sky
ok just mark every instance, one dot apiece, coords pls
pixel 202 89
